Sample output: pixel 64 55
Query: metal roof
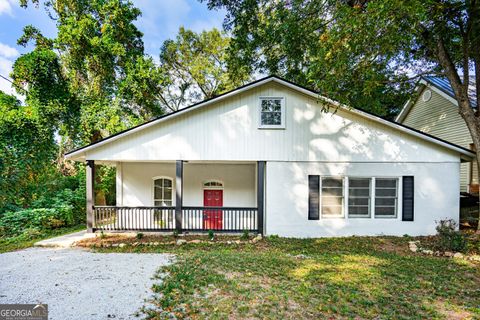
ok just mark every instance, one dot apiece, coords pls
pixel 443 84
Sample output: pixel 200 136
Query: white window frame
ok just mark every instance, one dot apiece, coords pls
pixel 282 110
pixel 213 187
pixel 343 215
pixel 398 196
pixel 153 190
pixel 370 198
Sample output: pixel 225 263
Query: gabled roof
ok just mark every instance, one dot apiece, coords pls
pixel 466 154
pixel 443 87
pixel 443 84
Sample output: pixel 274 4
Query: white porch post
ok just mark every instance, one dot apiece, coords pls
pixel 260 194
pixel 90 172
pixel 179 195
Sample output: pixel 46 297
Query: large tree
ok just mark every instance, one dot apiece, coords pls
pixel 378 44
pixel 26 151
pixel 296 39
pixel 98 56
pixel 195 65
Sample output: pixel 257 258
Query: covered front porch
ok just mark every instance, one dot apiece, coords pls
pixel 181 196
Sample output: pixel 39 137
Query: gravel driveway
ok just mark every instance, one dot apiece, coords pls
pixel 78 284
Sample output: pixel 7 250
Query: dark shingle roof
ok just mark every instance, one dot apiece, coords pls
pixel 444 85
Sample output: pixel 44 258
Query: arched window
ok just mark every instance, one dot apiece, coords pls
pixel 213 184
pixel 162 192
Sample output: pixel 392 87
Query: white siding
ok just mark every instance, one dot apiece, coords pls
pixel 228 130
pixel 440 118
pixel 238 179
pixel 436 198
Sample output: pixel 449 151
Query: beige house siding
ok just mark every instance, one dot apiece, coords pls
pixel 439 117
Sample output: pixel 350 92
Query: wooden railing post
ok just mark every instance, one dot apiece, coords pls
pixel 260 194
pixel 179 195
pixel 90 172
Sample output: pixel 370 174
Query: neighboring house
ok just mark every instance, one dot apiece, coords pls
pixel 434 110
pixel 268 157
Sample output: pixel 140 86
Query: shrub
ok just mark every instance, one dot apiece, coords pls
pixel 139 236
pixel 62 198
pixel 449 238
pixel 17 222
pixel 211 235
pixel 245 235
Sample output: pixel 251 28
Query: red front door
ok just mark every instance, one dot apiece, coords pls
pixel 212 219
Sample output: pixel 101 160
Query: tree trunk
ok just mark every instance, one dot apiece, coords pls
pixel 461 95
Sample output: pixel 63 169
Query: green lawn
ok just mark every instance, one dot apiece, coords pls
pixel 22 242
pixel 351 278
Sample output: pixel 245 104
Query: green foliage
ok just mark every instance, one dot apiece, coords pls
pixel 139 235
pixel 105 81
pixel 48 97
pixel 319 44
pixel 211 235
pixel 196 68
pixel 449 238
pixel 26 151
pixel 18 222
pixel 245 235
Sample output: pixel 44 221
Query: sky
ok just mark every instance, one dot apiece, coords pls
pixel 160 21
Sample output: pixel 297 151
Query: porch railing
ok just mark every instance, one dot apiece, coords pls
pixel 195 219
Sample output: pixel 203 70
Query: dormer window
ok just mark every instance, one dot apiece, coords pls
pixel 272 113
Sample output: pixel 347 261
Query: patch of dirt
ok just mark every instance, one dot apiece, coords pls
pixel 394 246
pixel 442 308
pixel 130 238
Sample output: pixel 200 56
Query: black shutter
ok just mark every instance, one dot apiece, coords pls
pixel 408 195
pixel 313 197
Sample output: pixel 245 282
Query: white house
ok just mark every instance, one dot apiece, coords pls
pixel 276 158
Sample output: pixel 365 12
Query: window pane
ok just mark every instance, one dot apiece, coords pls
pixel 355 192
pixel 352 202
pixel 276 118
pixel 157 203
pixel 386 192
pixel 386 197
pixel 359 211
pixel 327 201
pixel 332 192
pixel 271 105
pixel 167 194
pixel 332 182
pixel 271 118
pixel 167 183
pixel 385 211
pixel 386 183
pixel 359 183
pixel 332 210
pixel 385 202
pixel 359 197
pixel 332 197
pixel 158 193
